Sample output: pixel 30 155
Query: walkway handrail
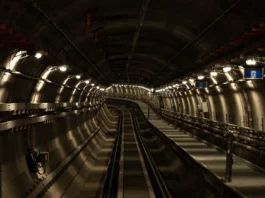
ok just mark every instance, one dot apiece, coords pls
pixel 243 135
pixel 111 179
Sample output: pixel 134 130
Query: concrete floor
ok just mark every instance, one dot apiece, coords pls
pixel 248 181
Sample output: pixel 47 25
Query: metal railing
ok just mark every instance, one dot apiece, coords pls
pixel 21 122
pixel 244 135
pixel 159 186
pixel 111 179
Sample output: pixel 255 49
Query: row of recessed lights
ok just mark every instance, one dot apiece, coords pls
pixel 212 85
pixel 226 69
pixel 138 86
pixel 201 77
pixel 64 68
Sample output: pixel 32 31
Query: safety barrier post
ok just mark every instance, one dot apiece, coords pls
pixel 148 112
pixel 229 156
pixel 262 124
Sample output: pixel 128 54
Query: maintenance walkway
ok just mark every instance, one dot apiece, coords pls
pixel 247 179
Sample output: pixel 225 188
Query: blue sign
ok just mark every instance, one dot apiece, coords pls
pixel 201 84
pixel 253 73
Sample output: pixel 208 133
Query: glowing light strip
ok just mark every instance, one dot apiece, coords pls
pixel 129 85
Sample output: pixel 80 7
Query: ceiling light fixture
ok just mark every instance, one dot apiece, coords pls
pixel 227 69
pixel 78 76
pixel 38 55
pixel 214 73
pixel 62 68
pixel 201 77
pixel 184 82
pixel 251 62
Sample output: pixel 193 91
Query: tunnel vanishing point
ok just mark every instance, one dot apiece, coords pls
pixel 132 99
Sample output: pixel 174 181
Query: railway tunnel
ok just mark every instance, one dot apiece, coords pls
pixel 135 98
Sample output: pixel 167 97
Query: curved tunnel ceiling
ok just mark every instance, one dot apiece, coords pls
pixel 172 36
